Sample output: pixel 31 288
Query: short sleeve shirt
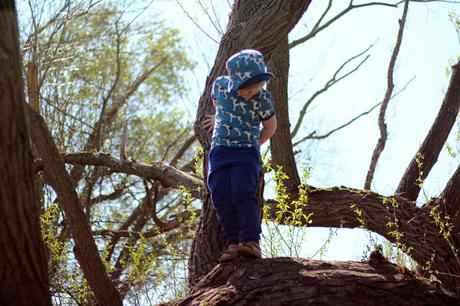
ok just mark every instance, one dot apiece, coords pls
pixel 238 120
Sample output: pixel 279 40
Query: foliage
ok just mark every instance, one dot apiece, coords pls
pixel 288 238
pixel 101 67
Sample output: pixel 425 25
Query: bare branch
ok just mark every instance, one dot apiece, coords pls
pixel 206 12
pixel 334 80
pixel 130 90
pixel 185 131
pixel 77 171
pixel 117 193
pixel 123 142
pixel 167 175
pixel 313 136
pixel 182 151
pixel 179 220
pixel 317 28
pixel 195 22
pixel 220 30
pixel 390 85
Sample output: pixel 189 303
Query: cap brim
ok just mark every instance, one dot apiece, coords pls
pixel 266 76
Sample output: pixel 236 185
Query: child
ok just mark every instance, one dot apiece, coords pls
pixel 241 104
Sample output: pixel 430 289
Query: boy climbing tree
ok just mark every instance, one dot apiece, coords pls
pixel 241 104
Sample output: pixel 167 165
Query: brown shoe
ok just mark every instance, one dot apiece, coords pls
pixel 250 249
pixel 229 254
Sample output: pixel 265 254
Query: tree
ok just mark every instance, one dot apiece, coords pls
pixel 23 260
pixel 425 233
pixel 104 82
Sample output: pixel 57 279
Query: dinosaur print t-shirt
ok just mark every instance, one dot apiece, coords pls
pixel 238 120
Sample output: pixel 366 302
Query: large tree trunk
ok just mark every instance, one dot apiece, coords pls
pixel 281 142
pixel 289 281
pixel 23 264
pixel 256 24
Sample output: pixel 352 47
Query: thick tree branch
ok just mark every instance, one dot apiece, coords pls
pixel 86 250
pixel 390 85
pixel 167 175
pixel 294 281
pixel 451 195
pixel 427 155
pixel 412 228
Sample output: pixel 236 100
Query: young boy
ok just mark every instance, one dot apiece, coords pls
pixel 241 104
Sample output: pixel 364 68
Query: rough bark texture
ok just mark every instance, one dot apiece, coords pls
pixel 85 249
pixel 23 264
pixel 413 228
pixel 428 153
pixel 255 24
pixel 281 142
pixel 289 281
pixel 450 197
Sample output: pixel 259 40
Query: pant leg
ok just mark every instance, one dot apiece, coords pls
pixel 243 189
pixel 219 183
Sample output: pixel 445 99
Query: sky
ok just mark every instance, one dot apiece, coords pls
pixel 430 46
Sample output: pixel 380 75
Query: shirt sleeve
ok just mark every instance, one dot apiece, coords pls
pixel 266 109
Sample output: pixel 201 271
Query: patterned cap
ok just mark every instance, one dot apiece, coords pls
pixel 245 68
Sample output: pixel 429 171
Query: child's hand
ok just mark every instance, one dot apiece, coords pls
pixel 208 123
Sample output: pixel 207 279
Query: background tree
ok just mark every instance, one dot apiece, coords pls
pixel 23 261
pixel 103 79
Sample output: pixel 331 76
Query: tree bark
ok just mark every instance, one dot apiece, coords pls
pixel 281 142
pixel 23 264
pixel 419 231
pixel 427 155
pixel 289 281
pixel 255 24
pixel 450 197
pixel 85 249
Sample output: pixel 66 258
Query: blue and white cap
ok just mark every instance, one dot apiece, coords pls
pixel 246 68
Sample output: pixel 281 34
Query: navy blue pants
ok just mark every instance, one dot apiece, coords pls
pixel 233 181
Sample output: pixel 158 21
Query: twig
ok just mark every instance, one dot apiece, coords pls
pixel 335 79
pixel 390 85
pixel 123 142
pixel 195 22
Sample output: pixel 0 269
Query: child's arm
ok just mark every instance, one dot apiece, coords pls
pixel 268 129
